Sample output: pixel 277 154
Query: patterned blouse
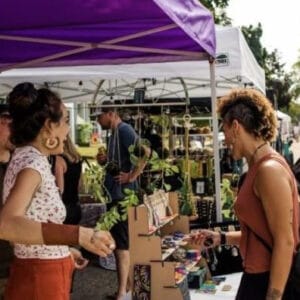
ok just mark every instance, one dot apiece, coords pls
pixel 46 204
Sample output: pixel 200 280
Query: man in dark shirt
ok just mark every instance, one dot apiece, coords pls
pixel 6 252
pixel 120 174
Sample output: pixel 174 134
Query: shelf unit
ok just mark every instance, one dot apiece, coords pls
pixel 145 248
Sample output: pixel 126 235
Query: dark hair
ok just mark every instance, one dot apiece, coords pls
pixel 107 106
pixel 30 108
pixel 252 109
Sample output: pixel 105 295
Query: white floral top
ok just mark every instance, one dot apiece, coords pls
pixel 46 204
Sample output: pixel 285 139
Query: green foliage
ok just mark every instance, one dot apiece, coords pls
pixel 161 120
pixel 187 205
pixel 294 111
pixel 277 80
pixel 282 90
pixel 164 168
pixel 84 132
pixel 227 200
pixel 119 211
pixel 108 219
pixel 253 35
pixel 295 88
pixel 217 8
pixel 93 179
pixel 130 199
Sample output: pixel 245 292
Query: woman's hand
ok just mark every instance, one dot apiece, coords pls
pixel 204 239
pixel 79 261
pixel 98 242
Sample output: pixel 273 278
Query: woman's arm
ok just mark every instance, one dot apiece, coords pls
pixel 17 228
pixel 273 185
pixel 205 238
pixel 14 226
pixel 59 172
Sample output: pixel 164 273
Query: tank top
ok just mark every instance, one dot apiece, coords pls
pixel 256 258
pixel 71 181
pixel 46 204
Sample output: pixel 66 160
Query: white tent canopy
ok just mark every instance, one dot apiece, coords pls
pixel 235 67
pixel 283 116
pixel 285 124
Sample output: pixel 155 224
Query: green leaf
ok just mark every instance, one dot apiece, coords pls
pixel 167 186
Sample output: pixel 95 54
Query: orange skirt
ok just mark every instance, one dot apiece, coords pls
pixel 40 279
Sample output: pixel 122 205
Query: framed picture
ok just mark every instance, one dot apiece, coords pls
pixel 199 186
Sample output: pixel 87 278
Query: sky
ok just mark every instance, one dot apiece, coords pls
pixel 280 23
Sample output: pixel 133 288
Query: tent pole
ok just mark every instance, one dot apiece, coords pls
pixel 215 140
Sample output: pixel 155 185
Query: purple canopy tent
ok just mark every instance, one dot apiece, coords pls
pixel 91 32
pixel 37 33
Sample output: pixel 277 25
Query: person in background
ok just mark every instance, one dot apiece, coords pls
pixel 67 171
pixel 6 253
pixel 32 215
pixel 267 202
pixel 120 174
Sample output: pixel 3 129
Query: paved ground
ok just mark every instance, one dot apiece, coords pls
pixel 94 282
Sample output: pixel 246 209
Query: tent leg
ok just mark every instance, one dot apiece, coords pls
pixel 215 140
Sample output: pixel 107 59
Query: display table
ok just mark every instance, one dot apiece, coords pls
pixel 231 279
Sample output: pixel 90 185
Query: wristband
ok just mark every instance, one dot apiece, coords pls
pixel 223 238
pixel 60 234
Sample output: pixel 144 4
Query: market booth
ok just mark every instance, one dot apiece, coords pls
pixel 235 67
pixel 74 33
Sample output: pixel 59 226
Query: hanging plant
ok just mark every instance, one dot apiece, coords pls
pixel 187 204
pixel 108 219
pixel 131 199
pixel 93 180
pixel 118 212
pixel 227 200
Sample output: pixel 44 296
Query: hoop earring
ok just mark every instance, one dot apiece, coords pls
pixel 51 143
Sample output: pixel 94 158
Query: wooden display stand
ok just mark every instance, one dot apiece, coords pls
pixel 145 248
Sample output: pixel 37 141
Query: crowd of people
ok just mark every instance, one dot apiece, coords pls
pixel 40 172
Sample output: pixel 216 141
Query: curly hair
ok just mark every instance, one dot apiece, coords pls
pixel 252 109
pixel 30 108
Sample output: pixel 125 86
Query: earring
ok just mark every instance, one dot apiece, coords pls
pixel 51 143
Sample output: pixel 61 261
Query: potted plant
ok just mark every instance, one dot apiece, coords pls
pixel 84 132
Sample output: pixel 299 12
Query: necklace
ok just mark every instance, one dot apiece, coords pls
pixel 255 151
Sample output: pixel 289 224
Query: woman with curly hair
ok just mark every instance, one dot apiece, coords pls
pixel 267 202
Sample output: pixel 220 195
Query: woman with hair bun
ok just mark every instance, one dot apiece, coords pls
pixel 33 213
pixel 267 201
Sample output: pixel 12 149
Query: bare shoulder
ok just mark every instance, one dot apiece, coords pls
pixel 272 171
pixel 271 167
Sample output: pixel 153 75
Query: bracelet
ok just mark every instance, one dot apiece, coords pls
pixel 223 238
pixel 60 234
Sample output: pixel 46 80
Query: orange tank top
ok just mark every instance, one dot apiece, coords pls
pixel 250 212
